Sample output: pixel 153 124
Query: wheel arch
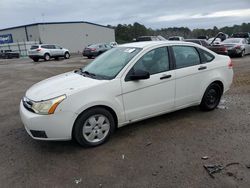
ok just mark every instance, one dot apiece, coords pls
pixel 220 83
pixel 109 109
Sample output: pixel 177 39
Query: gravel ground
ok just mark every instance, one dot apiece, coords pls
pixel 164 151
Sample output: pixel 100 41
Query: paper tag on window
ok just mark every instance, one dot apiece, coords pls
pixel 129 50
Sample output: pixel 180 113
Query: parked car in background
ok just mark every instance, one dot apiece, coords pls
pixel 47 51
pixel 237 46
pixel 8 54
pixel 245 35
pixel 214 40
pixel 222 36
pixel 126 84
pixel 219 49
pixel 176 38
pixel 95 49
pixel 149 38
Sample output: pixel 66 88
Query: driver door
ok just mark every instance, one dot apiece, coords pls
pixel 143 98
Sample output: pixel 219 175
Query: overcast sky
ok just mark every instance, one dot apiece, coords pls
pixel 152 13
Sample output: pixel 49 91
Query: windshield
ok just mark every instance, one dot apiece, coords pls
pixel 232 40
pixel 109 64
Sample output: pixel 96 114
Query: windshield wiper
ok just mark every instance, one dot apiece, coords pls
pixel 88 73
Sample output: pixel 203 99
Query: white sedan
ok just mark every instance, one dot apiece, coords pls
pixel 126 84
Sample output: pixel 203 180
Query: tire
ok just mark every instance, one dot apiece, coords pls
pixel 35 59
pixel 211 97
pixel 46 57
pixel 93 127
pixel 66 55
pixel 242 54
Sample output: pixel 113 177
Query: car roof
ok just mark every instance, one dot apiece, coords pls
pixel 148 44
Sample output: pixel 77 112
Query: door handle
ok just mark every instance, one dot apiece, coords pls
pixel 165 77
pixel 202 67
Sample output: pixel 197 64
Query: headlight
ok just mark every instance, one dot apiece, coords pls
pixel 48 106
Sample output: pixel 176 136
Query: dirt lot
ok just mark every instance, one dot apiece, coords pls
pixel 164 151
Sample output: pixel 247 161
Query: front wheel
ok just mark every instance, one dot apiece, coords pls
pixel 93 127
pixel 211 97
pixel 46 57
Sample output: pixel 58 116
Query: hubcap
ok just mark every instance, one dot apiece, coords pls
pixel 96 128
pixel 67 55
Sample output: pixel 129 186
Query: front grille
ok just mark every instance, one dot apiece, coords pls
pixel 27 103
pixel 38 134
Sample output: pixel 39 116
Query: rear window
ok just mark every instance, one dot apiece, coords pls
pixel 94 46
pixel 34 47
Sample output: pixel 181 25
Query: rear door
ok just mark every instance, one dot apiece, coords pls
pixel 144 98
pixel 189 75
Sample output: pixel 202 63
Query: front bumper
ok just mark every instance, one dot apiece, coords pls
pixel 56 126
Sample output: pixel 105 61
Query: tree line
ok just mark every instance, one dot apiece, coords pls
pixel 127 32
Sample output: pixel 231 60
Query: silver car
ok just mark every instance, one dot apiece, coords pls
pixel 237 46
pixel 47 51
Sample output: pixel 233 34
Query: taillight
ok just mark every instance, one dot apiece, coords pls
pixel 230 64
pixel 237 47
pixel 38 49
pixel 92 49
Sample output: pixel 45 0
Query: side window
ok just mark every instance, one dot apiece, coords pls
pixel 185 56
pixel 205 56
pixel 154 62
pixel 45 46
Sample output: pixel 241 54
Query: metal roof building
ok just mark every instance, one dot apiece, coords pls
pixel 72 35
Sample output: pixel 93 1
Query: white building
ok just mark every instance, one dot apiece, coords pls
pixel 71 35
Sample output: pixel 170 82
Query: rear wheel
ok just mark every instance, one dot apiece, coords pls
pixel 211 97
pixel 93 127
pixel 66 55
pixel 46 57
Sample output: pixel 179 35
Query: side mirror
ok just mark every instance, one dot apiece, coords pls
pixel 139 75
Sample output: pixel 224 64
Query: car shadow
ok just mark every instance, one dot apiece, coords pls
pixel 120 133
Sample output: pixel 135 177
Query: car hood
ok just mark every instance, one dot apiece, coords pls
pixel 66 83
